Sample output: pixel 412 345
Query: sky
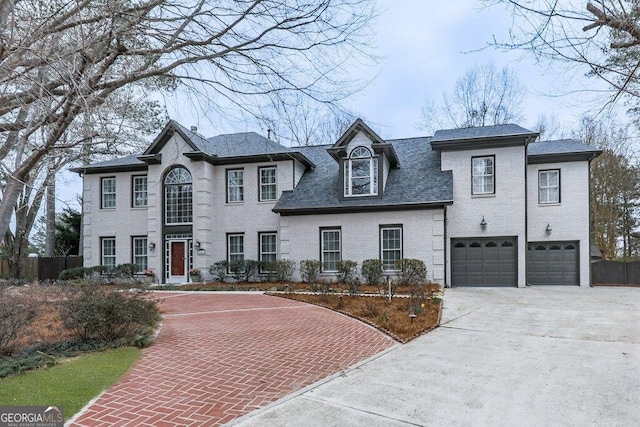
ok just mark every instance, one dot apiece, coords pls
pixel 425 46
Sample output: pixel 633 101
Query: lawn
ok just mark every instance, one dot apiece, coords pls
pixel 70 384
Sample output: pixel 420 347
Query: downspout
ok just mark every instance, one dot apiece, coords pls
pixel 526 209
pixel 590 222
pixel 446 284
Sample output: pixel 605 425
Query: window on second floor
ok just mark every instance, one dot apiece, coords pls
pixel 483 175
pixel 178 196
pixel 108 192
pixel 139 191
pixel 361 173
pixel 235 186
pixel 268 183
pixel 549 186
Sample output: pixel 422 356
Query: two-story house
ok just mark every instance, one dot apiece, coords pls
pixel 481 206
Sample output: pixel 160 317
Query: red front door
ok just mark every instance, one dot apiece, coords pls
pixel 177 258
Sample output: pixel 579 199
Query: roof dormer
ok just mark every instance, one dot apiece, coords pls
pixel 365 160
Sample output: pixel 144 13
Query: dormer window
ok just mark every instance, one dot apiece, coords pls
pixel 361 173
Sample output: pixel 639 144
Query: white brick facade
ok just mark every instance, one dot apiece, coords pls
pixel 512 210
pixel 503 211
pixel 423 234
pixel 569 219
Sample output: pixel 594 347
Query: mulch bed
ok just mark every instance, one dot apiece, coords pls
pixel 391 317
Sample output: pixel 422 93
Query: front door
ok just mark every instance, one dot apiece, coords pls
pixel 178 261
pixel 177 258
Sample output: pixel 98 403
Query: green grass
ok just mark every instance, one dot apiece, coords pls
pixel 72 383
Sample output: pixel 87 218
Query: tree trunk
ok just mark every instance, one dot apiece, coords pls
pixel 50 241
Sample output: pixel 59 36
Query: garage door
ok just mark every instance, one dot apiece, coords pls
pixel 484 262
pixel 552 263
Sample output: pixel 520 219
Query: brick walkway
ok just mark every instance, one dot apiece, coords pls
pixel 220 356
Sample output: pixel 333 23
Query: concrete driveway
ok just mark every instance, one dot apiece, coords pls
pixel 527 357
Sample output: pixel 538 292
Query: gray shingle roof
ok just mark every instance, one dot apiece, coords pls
pixel 418 182
pixel 480 132
pixel 121 163
pixel 560 146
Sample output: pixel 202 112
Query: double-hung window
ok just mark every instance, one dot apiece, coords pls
pixel 268 184
pixel 330 248
pixel 235 248
pixel 390 246
pixel 140 253
pixel 235 186
pixel 268 249
pixel 108 252
pixel 178 197
pixel 361 173
pixel 139 191
pixel 549 186
pixel 483 175
pixel 108 195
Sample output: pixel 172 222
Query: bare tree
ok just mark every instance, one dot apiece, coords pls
pixel 61 60
pixel 600 38
pixel 294 120
pixel 548 127
pixel 482 96
pixel 615 186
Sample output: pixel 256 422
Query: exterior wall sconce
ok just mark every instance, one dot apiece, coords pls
pixel 198 244
pixel 483 224
pixel 152 246
pixel 548 230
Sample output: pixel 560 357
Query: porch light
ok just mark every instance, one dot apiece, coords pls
pixel 483 224
pixel 198 244
pixel 152 246
pixel 548 230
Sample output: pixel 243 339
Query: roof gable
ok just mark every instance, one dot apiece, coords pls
pixel 338 150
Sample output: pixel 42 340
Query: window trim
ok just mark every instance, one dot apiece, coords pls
pixel 374 175
pixel 229 236
pixel 260 184
pixel 261 254
pixel 102 193
pixel 227 171
pixel 493 160
pixel 540 171
pixel 321 247
pixel 133 251
pixel 133 191
pixel 102 255
pixel 165 218
pixel 383 227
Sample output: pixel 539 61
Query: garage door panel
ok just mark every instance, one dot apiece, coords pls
pixel 552 263
pixel 484 262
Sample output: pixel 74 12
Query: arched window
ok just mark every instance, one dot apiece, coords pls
pixel 361 173
pixel 178 197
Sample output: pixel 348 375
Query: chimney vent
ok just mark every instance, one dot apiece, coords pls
pixel 194 128
pixel 268 133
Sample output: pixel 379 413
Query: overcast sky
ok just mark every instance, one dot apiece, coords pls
pixel 425 46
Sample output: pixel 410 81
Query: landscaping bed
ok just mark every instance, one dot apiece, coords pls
pixel 404 318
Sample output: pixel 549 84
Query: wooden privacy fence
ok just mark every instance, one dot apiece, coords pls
pixel 615 273
pixel 43 268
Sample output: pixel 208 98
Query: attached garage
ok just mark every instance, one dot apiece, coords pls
pixel 484 261
pixel 553 263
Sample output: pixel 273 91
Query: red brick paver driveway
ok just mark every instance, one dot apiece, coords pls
pixel 219 356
